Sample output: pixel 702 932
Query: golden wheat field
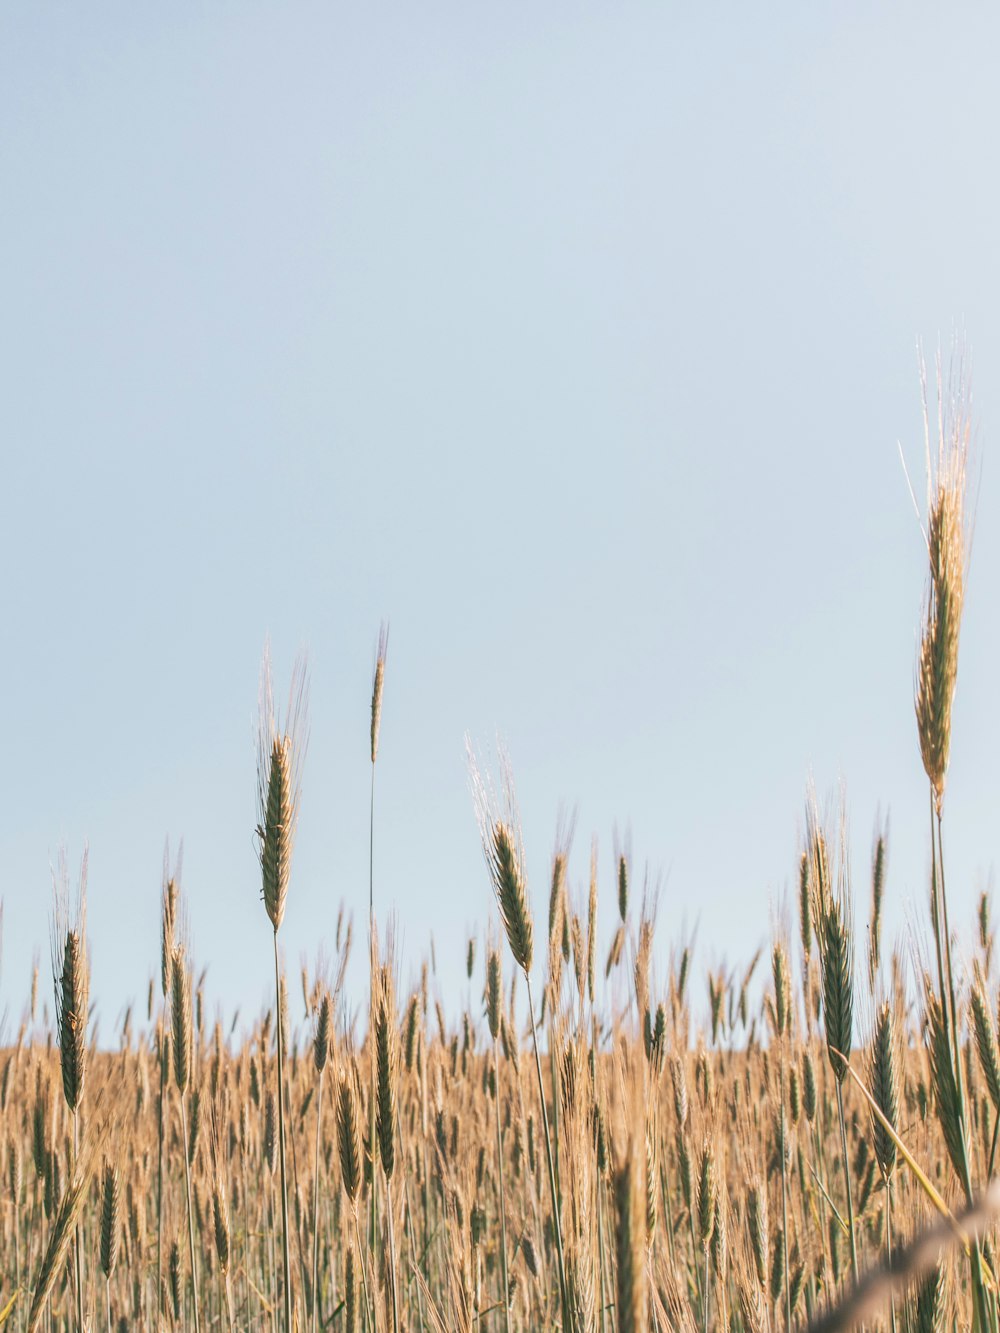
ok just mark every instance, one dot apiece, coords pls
pixel 602 1142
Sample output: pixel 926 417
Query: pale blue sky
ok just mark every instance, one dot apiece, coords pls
pixel 577 340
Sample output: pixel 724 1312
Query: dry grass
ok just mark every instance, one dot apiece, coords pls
pixel 699 1165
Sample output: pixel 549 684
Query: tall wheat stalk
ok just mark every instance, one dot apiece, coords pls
pixel 494 1004
pixel 71 977
pixel 884 1081
pixel 63 1229
pixel 280 752
pixel 505 859
pixel 220 1227
pixel 936 676
pixel 321 1049
pixel 168 920
pixel 349 1151
pixel 110 1227
pixel 832 914
pixel 378 685
pixel 387 1073
pixel 782 1021
pixel 182 1051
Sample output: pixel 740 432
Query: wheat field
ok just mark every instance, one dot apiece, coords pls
pixel 604 1141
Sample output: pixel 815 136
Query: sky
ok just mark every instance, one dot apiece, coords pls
pixel 577 340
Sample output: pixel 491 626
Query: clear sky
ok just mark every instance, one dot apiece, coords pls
pixel 577 340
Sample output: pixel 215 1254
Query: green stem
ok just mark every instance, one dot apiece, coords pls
pixel 952 1006
pixel 286 1257
pixel 937 856
pixel 190 1213
pixel 820 1167
pixel 951 1013
pixel 888 1248
pixel 598 1184
pixel 847 1182
pixel 76 1235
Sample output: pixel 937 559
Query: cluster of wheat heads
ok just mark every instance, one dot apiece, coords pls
pixel 591 1139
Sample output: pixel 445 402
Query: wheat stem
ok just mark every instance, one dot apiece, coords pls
pixel 159 1163
pixel 369 1305
pixel 784 1206
pixel 503 1206
pixel 315 1262
pixel 847 1180
pixel 77 1242
pixel 285 1250
pixel 190 1212
pixel 567 1313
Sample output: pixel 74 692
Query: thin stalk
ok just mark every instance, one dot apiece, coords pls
pixel 597 1183
pixel 315 1266
pixel 371 850
pixel 564 1300
pixel 936 895
pixel 820 1167
pixel 668 1215
pixel 953 1008
pixel 272 1262
pixel 424 1174
pixel 554 1083
pixel 847 1182
pixel 107 1294
pixel 956 1055
pixel 246 1241
pixel 159 1171
pixel 784 1209
pixel 17 1255
pixel 393 1274
pixel 411 1238
pixel 77 1243
pixel 694 1256
pixel 600 1252
pixel 303 1265
pixel 287 1293
pixel 369 1311
pixel 829 1202
pixel 723 1306
pixel 503 1207
pixel 888 1249
pixel 190 1213
pixel 228 1290
pixel 705 1255
pixel 373 1210
pixel 535 1209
